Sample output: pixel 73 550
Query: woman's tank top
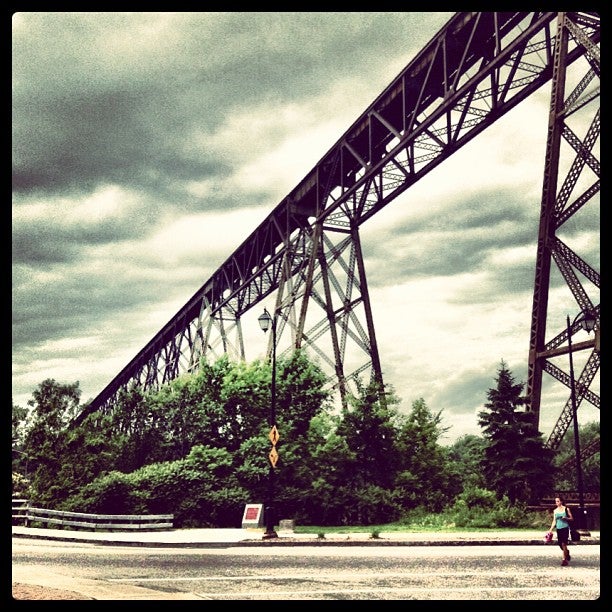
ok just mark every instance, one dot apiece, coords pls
pixel 561 519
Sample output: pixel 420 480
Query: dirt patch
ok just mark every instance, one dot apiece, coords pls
pixel 33 591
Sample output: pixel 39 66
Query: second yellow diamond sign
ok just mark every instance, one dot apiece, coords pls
pixel 273 456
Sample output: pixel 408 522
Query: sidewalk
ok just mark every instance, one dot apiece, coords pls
pixel 201 538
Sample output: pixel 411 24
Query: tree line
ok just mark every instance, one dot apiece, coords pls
pixel 198 448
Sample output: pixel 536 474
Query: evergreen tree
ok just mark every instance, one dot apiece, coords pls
pixel 516 462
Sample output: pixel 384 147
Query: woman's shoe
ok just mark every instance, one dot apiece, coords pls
pixel 564 562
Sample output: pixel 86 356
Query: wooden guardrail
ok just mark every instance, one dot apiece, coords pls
pixel 83 520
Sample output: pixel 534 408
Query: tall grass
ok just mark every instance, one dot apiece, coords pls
pixel 476 519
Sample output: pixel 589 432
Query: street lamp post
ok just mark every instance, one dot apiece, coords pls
pixel 266 322
pixel 587 322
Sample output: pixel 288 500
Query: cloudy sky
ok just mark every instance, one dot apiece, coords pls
pixel 148 146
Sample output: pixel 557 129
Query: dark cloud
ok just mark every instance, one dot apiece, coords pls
pixel 46 309
pixel 132 138
pixel 48 241
pixel 120 97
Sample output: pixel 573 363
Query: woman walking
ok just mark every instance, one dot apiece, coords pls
pixel 561 517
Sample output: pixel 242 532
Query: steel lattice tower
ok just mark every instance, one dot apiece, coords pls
pixel 571 183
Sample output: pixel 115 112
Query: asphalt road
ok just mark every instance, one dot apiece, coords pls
pixel 311 573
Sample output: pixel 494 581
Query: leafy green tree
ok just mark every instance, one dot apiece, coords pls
pixel 328 497
pixel 352 481
pixel 19 458
pixel 135 425
pixel 516 463
pixel 245 402
pixel 353 466
pixel 174 411
pixel 90 450
pixel 466 456
pixel 225 406
pixel 222 405
pixel 301 397
pixel 19 417
pixel 426 478
pixel 53 406
pixel 369 428
pixel 565 460
pixel 590 435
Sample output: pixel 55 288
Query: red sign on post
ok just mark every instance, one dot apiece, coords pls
pixel 253 515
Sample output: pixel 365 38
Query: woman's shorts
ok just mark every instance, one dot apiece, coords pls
pixel 562 536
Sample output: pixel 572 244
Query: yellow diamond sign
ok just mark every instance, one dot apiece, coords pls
pixel 273 456
pixel 274 435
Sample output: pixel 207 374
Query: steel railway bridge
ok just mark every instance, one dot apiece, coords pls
pixel 307 254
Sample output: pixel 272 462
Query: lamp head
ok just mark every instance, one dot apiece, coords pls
pixel 265 320
pixel 588 321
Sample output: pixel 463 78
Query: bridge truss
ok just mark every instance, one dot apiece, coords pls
pixel 307 253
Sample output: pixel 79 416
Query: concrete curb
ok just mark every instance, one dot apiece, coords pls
pixel 224 538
